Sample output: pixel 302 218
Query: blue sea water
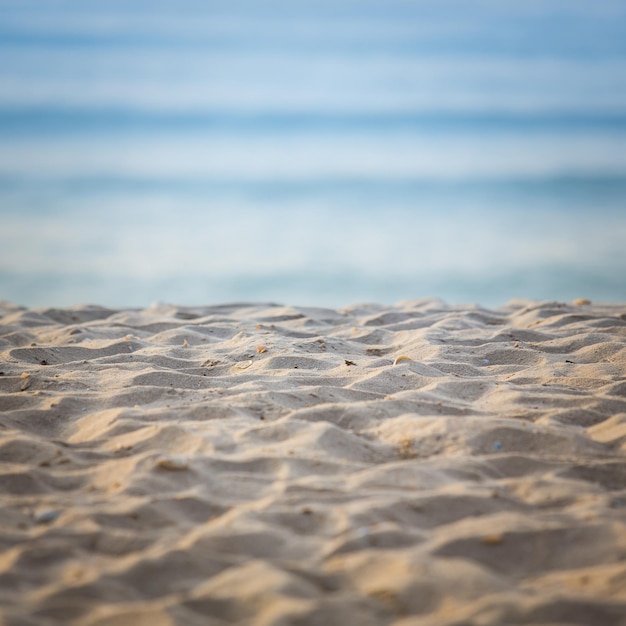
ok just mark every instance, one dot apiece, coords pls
pixel 312 153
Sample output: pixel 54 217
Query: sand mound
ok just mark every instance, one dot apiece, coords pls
pixel 280 465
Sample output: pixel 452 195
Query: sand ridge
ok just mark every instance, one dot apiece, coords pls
pixel 264 464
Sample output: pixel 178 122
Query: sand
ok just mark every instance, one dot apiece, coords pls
pixel 264 464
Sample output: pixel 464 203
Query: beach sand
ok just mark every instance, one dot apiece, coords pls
pixel 264 464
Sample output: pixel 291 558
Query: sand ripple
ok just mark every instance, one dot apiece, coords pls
pixel 262 464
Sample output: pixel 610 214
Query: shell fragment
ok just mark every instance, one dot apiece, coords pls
pixel 401 358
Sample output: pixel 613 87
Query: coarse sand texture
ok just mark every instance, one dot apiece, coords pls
pixel 410 465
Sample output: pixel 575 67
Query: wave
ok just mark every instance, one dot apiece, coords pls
pixel 24 121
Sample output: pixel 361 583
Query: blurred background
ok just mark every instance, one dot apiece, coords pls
pixel 318 153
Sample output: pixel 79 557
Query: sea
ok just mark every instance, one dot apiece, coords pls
pixel 312 153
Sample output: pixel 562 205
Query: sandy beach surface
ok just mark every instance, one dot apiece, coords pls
pixel 414 465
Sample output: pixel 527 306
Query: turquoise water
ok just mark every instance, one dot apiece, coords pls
pixel 311 153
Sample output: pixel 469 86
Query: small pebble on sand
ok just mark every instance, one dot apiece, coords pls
pixel 173 463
